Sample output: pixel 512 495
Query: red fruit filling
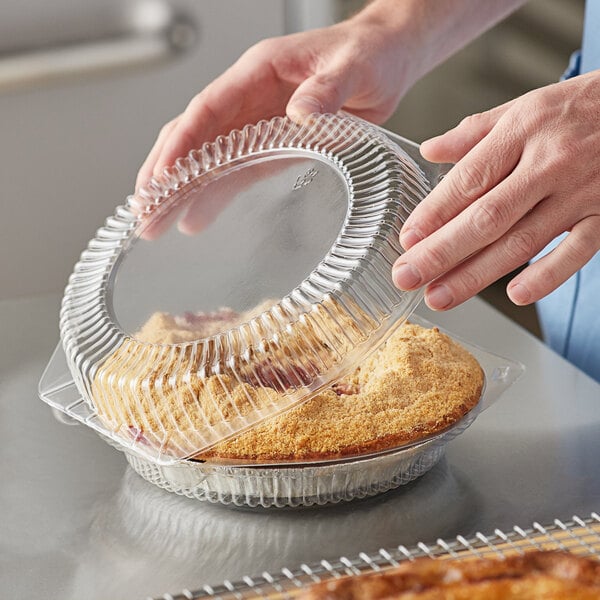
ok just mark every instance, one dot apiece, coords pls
pixel 344 388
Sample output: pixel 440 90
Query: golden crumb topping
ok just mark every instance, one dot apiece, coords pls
pixel 419 383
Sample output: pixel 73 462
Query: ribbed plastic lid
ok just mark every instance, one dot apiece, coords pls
pixel 246 278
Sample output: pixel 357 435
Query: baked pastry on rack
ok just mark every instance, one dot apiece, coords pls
pixel 538 575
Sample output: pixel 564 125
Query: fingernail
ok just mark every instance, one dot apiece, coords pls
pixel 426 143
pixel 439 297
pixel 304 106
pixel 519 294
pixel 409 238
pixel 406 277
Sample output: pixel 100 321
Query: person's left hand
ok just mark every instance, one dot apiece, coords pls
pixel 352 65
pixel 525 172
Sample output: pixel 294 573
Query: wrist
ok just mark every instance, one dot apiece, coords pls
pixel 424 33
pixel 394 35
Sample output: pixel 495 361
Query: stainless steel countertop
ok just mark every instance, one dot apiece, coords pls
pixel 76 522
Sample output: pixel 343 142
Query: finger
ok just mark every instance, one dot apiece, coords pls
pixel 552 270
pixel 247 92
pixel 158 224
pixel 147 168
pixel 487 163
pixel 250 90
pixel 209 117
pixel 451 146
pixel 524 241
pixel 202 121
pixel 521 243
pixel 479 225
pixel 213 199
pixel 324 92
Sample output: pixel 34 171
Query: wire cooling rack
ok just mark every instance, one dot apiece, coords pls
pixel 578 535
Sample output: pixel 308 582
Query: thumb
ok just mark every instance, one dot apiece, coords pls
pixel 321 93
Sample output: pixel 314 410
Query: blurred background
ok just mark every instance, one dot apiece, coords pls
pixel 85 88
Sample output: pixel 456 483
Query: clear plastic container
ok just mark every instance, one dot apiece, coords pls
pixel 246 279
pixel 282 237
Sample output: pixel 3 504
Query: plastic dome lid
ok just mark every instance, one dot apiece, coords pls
pixel 249 276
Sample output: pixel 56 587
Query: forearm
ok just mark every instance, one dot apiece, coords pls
pixel 432 30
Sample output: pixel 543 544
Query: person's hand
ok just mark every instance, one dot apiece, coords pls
pixel 352 65
pixel 525 172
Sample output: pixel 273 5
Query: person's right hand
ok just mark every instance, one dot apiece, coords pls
pixel 526 172
pixel 352 65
